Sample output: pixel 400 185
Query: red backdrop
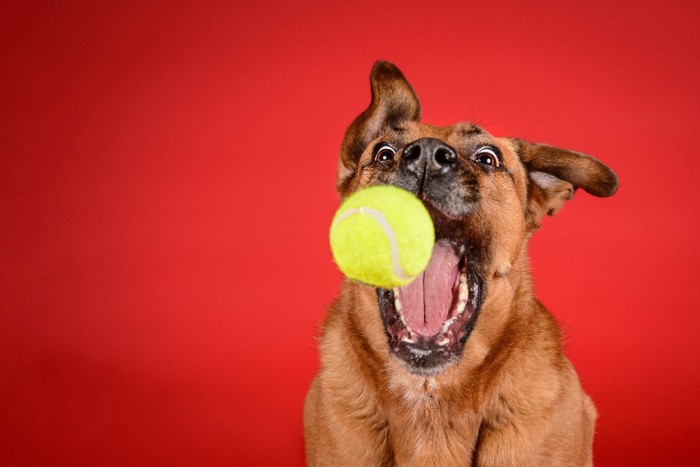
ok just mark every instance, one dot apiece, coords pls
pixel 167 183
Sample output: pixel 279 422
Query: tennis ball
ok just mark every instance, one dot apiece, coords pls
pixel 382 236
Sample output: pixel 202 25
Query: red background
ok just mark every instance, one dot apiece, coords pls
pixel 167 183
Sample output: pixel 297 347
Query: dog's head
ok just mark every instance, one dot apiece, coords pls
pixel 486 195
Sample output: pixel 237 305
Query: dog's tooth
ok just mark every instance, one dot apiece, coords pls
pixel 403 321
pixel 461 306
pixel 463 292
pixel 463 278
pixel 449 322
pixel 396 292
pixel 444 342
pixel 408 340
pixel 398 305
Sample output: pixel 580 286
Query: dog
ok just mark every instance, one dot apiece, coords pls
pixel 464 366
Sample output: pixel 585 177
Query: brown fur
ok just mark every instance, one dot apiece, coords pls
pixel 513 398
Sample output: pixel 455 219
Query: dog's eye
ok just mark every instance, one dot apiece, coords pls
pixel 488 156
pixel 384 153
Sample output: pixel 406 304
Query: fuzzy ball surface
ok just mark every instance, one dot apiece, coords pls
pixel 382 236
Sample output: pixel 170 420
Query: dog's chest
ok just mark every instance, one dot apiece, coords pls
pixel 424 421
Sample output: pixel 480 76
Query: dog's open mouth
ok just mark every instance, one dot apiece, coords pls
pixel 429 320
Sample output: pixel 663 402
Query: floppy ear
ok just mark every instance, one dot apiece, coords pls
pixel 556 173
pixel 393 101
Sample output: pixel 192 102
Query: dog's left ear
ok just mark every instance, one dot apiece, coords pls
pixel 556 173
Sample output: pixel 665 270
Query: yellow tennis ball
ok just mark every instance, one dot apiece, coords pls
pixel 382 236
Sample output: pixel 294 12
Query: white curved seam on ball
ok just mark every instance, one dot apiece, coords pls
pixel 386 227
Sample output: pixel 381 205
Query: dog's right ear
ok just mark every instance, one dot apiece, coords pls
pixel 393 102
pixel 556 173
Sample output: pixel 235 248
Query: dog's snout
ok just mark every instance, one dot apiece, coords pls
pixel 433 153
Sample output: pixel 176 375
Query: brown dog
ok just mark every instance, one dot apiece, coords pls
pixel 438 373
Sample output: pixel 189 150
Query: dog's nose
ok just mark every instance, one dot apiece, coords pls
pixel 437 156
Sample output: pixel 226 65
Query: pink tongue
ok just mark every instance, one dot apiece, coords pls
pixel 427 300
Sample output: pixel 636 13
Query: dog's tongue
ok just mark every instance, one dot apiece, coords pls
pixel 427 300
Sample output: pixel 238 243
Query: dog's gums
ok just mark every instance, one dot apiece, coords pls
pixel 428 321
